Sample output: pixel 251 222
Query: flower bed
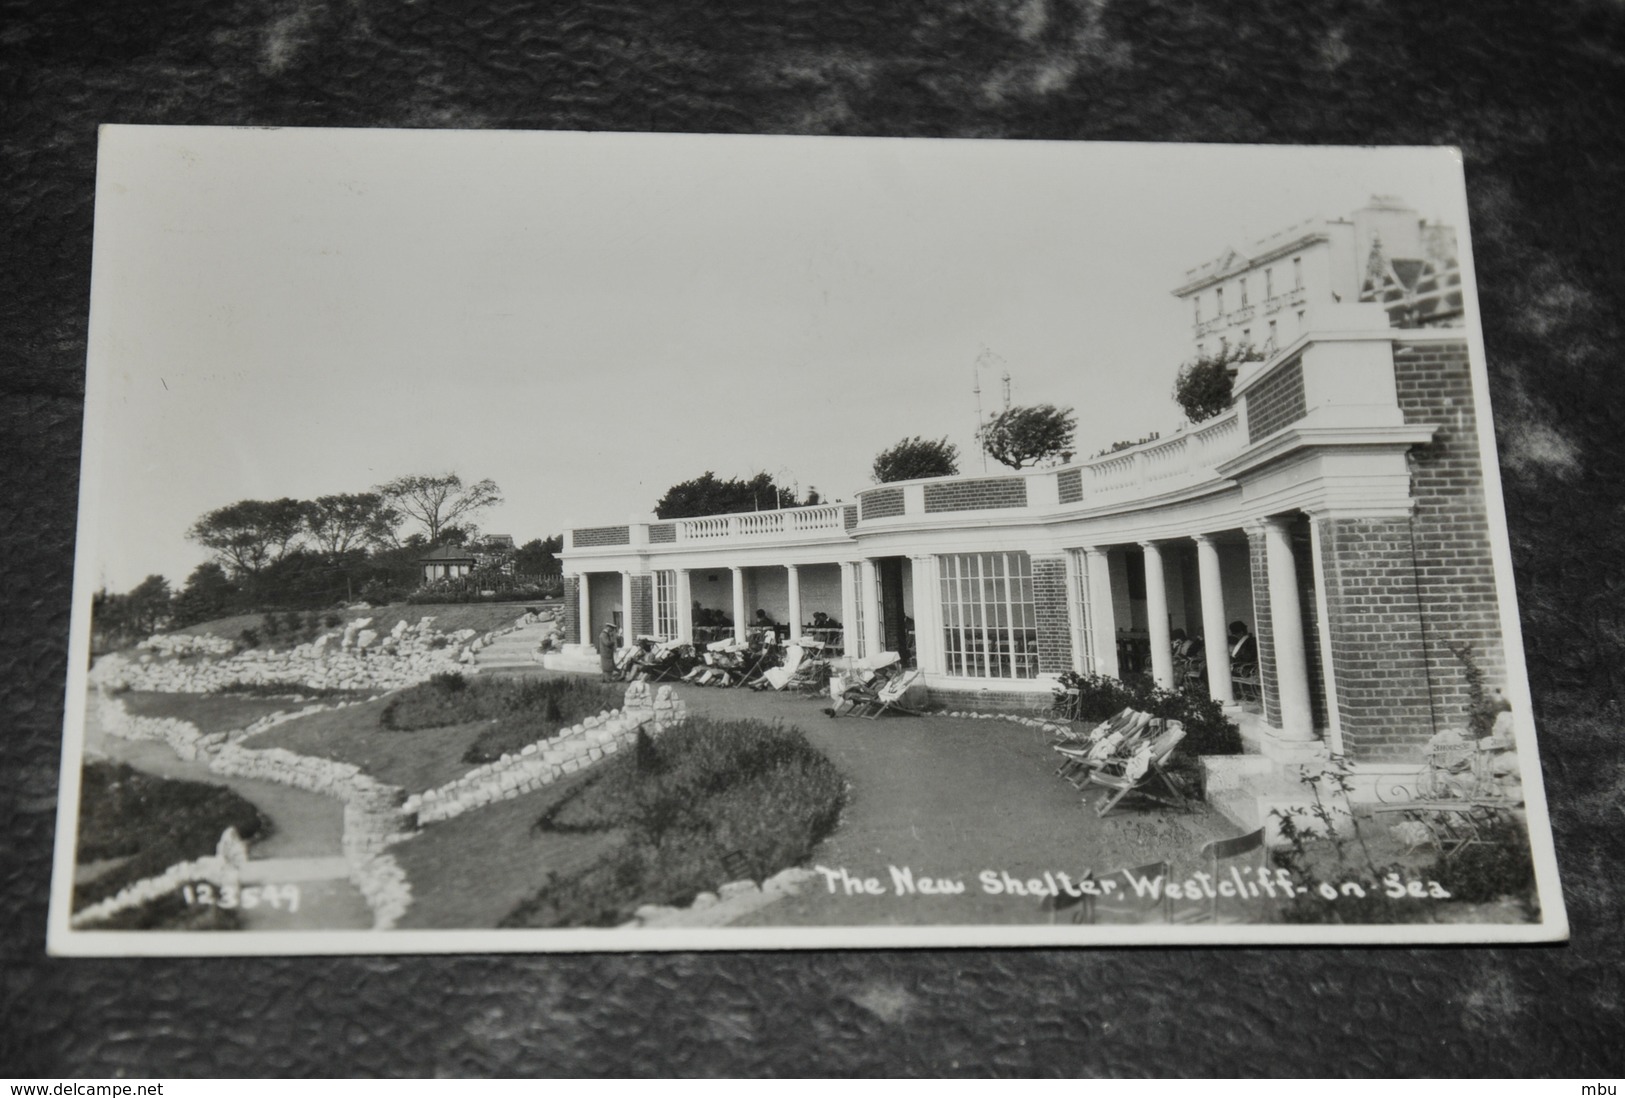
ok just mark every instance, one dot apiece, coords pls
pixel 701 806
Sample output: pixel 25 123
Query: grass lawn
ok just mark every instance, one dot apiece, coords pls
pixel 514 711
pixel 471 871
pixel 150 823
pixel 449 617
pixel 209 712
pixel 415 761
pixel 704 804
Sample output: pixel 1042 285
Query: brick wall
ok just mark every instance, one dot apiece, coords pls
pixel 1258 559
pixel 1450 522
pixel 1383 692
pixel 572 609
pixel 1070 485
pixel 1303 560
pixel 1049 600
pixel 990 701
pixel 976 495
pixel 640 617
pixel 601 535
pixel 1275 402
pixel 662 533
pixel 850 517
pixel 882 503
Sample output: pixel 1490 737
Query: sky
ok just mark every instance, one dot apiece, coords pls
pixel 588 319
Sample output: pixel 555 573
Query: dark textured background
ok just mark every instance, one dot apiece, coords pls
pixel 1522 88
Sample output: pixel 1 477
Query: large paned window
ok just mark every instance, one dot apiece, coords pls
pixel 990 628
pixel 666 605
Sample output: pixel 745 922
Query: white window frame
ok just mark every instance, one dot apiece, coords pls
pixel 665 622
pixel 989 615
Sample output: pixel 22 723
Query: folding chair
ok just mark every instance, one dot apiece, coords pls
pixel 1141 771
pixel 1250 845
pixel 1118 739
pixel 1244 679
pixel 1082 906
pixel 777 678
pixel 1130 905
pixel 863 688
pixel 889 696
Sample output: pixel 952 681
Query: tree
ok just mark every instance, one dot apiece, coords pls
pixel 710 495
pixel 438 501
pixel 248 535
pixel 1028 434
pixel 337 524
pixel 538 556
pixel 916 457
pixel 135 614
pixel 1203 386
pixel 208 594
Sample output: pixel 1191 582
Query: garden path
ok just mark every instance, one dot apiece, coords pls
pixel 949 798
pixel 511 650
pixel 952 798
pixel 305 845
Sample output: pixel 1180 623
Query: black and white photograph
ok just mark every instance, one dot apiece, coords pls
pixel 563 541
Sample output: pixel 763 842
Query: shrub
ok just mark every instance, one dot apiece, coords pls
pixel 1207 730
pixel 152 822
pixel 702 805
pixel 243 688
pixel 1498 869
pixel 271 624
pixel 520 711
pixel 249 638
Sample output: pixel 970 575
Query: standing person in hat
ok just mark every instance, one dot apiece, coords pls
pixel 607 643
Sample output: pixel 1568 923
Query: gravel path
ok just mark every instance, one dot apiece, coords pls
pixel 303 825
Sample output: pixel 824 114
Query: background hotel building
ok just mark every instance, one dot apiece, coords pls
pixel 1338 509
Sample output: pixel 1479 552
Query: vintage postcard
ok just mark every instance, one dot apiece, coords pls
pixel 585 541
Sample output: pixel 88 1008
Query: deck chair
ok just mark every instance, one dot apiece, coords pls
pixel 1064 907
pixel 1141 771
pixel 888 696
pixel 1128 905
pixel 1088 737
pixel 860 684
pixel 811 675
pixel 777 678
pixel 1117 741
pixel 752 665
pixel 1250 847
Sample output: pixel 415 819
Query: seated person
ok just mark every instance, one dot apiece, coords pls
pixel 1243 645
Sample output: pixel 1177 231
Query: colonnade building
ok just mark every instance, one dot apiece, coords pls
pixel 1338 510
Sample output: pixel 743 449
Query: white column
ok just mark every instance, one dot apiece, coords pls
pixel 1215 630
pixel 627 636
pixel 1286 633
pixel 849 608
pixel 741 622
pixel 927 615
pixel 584 608
pixel 873 639
pixel 1077 614
pixel 1334 716
pixel 793 586
pixel 1156 612
pixel 1102 612
pixel 685 605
